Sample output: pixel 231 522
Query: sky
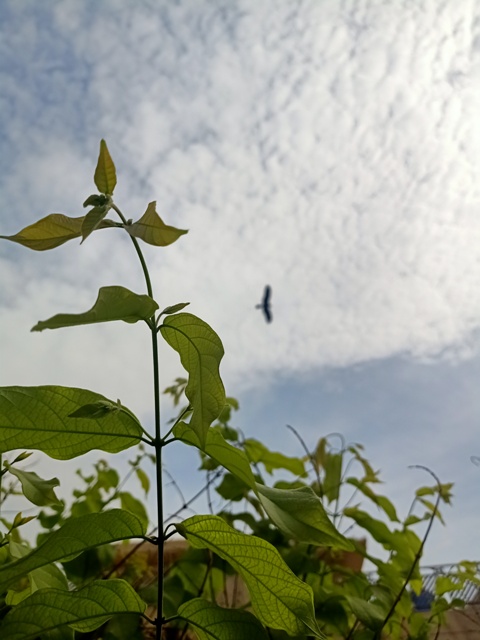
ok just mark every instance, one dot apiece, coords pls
pixel 329 149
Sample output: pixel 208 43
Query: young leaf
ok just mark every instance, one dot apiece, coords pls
pixel 300 514
pixel 151 229
pixel 113 303
pixel 93 220
pixel 96 200
pixel 105 175
pixel 221 451
pixel 280 599
pixel 35 489
pixel 258 452
pixel 73 537
pixel 382 501
pixel 84 610
pixel 38 418
pixel 200 351
pixel 49 232
pixel 174 308
pixel 212 622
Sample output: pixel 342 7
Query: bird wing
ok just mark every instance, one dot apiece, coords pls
pixel 266 295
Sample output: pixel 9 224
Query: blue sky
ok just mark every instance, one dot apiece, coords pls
pixel 330 149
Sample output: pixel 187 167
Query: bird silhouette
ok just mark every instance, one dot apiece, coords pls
pixel 265 303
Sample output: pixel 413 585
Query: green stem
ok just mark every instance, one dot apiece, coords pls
pixel 158 466
pixel 138 250
pixel 158 436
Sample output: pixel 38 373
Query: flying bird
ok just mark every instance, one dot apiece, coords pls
pixel 265 303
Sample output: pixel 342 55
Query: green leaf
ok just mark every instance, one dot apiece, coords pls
pixel 280 600
pixel 19 520
pixel 445 584
pixel 425 491
pixel 131 504
pixel 105 175
pixel 93 220
pixel 49 232
pixel 144 479
pixel 35 489
pixel 45 577
pixel 300 514
pixel 113 303
pixel 84 610
pixel 95 410
pixel 212 622
pixel 73 537
pixel 174 308
pixel 37 418
pixel 200 351
pixel 381 501
pixel 231 488
pixel 378 529
pixel 258 452
pixel 48 577
pixel 96 200
pixel 333 476
pixel 369 613
pixel 221 451
pixel 151 229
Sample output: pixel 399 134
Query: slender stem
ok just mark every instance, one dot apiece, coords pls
pixel 158 436
pixel 158 467
pixel 420 549
pixel 139 252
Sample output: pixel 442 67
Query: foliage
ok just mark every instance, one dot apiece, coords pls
pixel 283 538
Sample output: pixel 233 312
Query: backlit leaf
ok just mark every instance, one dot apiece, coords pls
pixel 258 452
pixel 221 451
pixel 301 515
pixel 105 175
pixel 279 599
pixel 49 232
pixel 73 537
pixel 93 220
pixel 174 308
pixel 38 418
pixel 35 489
pixel 113 303
pixel 382 501
pixel 95 410
pixel 151 229
pixel 212 622
pixel 200 351
pixel 84 610
pixel 378 529
pixel 445 584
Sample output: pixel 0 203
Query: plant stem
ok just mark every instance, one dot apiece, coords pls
pixel 158 466
pixel 158 436
pixel 139 252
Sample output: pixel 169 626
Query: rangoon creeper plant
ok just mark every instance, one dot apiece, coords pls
pixel 66 422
